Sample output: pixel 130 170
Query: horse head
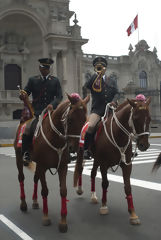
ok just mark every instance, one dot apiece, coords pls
pixel 139 121
pixel 76 118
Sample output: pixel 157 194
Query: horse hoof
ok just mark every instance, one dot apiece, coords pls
pixel 79 191
pixel 104 210
pixel 135 221
pixel 46 222
pixel 94 200
pixel 63 228
pixel 23 207
pixel 35 206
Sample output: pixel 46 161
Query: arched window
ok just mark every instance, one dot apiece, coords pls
pixel 12 76
pixel 143 79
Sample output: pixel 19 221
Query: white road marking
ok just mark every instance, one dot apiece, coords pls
pixel 119 179
pixel 150 156
pixel 14 228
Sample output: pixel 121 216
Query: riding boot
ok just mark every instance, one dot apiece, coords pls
pixel 26 143
pixel 87 141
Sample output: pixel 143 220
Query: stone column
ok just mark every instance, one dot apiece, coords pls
pixel 64 70
pixel 53 55
pixel 78 70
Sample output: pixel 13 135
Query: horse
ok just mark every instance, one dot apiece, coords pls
pixel 113 147
pixel 157 163
pixel 55 134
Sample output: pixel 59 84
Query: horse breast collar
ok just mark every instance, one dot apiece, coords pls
pixel 131 136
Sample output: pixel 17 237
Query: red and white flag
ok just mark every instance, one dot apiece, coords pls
pixel 133 26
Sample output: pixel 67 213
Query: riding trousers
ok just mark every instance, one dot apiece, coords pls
pixel 93 120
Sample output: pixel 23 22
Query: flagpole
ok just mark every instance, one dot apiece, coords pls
pixel 138 28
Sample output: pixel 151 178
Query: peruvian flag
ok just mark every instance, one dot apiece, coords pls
pixel 133 26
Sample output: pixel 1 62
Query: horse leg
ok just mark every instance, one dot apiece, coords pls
pixel 94 198
pixel 21 178
pixel 126 169
pixel 63 227
pixel 79 189
pixel 78 172
pixel 105 184
pixel 44 193
pixel 35 204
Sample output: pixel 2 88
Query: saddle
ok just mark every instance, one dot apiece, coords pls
pixel 95 134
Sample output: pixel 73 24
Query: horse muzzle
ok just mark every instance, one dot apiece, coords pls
pixel 143 143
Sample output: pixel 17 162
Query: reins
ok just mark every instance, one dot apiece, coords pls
pixel 63 136
pixel 132 136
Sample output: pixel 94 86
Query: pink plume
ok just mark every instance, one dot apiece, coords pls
pixel 75 96
pixel 140 97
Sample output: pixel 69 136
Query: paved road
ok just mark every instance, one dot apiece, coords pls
pixel 84 221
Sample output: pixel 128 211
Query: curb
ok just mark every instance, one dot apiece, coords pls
pixel 6 145
pixel 155 137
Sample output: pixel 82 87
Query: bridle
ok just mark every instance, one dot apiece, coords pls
pixel 132 136
pixel 131 124
pixel 64 136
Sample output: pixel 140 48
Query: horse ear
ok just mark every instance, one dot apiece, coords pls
pixel 148 101
pixel 86 99
pixel 70 98
pixel 131 102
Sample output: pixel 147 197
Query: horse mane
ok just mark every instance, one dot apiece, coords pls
pixel 125 103
pixel 75 104
pixel 62 106
pixel 120 106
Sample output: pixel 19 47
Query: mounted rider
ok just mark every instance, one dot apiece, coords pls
pixel 103 90
pixel 45 90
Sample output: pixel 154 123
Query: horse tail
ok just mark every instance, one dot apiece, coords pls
pixel 157 164
pixel 78 167
pixel 31 166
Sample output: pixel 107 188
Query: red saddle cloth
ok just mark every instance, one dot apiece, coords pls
pixel 83 132
pixel 20 133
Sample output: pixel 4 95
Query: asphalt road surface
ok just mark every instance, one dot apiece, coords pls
pixel 84 220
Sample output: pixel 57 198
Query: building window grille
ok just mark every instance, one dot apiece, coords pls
pixel 143 79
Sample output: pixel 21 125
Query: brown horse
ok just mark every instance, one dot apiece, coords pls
pixel 157 163
pixel 113 146
pixel 55 134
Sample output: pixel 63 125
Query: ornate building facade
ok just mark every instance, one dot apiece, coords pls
pixel 34 29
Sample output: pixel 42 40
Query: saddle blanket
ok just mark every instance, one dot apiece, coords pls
pixel 20 133
pixel 83 132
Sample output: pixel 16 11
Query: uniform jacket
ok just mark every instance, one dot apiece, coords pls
pixel 44 92
pixel 108 94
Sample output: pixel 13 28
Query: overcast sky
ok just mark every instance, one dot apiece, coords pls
pixel 105 23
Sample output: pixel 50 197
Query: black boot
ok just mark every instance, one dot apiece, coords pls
pixel 87 141
pixel 26 143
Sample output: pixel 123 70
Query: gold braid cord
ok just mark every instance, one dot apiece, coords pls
pixel 97 84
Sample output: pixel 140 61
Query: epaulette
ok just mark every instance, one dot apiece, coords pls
pixel 37 77
pixel 51 77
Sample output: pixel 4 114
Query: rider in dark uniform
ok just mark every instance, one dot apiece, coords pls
pixel 45 90
pixel 103 90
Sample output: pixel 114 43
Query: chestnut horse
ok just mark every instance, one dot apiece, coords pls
pixel 55 134
pixel 113 146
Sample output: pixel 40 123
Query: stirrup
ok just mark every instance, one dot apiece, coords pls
pixel 26 158
pixel 86 155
